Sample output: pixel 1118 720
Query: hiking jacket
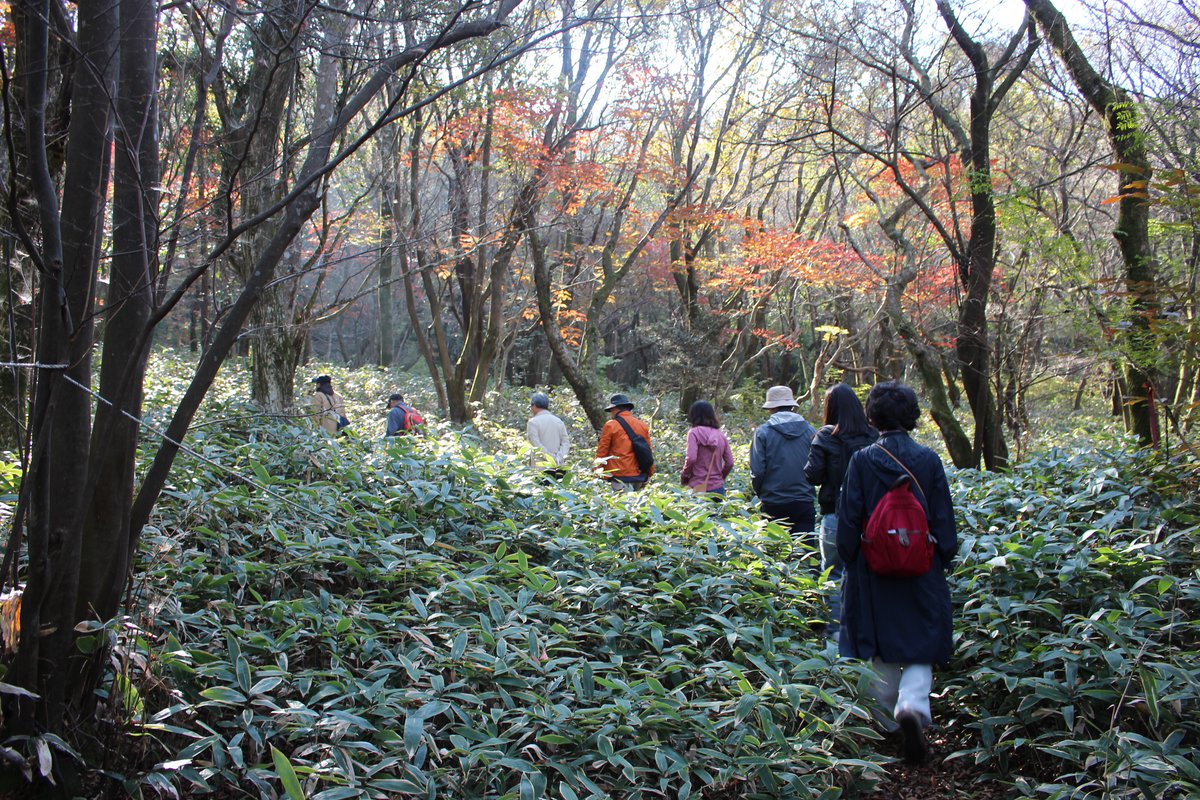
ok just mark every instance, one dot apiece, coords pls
pixel 548 435
pixel 899 620
pixel 827 461
pixel 616 447
pixel 708 460
pixel 327 409
pixel 777 458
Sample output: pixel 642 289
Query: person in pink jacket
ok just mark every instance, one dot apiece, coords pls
pixel 709 459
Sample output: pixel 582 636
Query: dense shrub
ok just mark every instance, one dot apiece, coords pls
pixel 1079 643
pixel 346 619
pixel 409 618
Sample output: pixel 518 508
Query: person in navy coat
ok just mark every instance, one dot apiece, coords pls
pixel 902 625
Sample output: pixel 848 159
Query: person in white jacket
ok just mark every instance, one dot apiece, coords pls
pixel 548 436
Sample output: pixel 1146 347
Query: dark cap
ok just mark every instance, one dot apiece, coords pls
pixel 320 379
pixel 395 397
pixel 618 400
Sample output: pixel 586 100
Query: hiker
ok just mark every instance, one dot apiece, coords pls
pixel 778 454
pixel 548 435
pixel 328 407
pixel 616 459
pixel 902 625
pixel 401 418
pixel 844 433
pixel 708 460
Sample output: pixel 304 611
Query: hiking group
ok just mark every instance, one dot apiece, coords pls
pixel 886 536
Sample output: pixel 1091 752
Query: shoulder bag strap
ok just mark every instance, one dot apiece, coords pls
pixel 906 469
pixel 628 429
pixel 326 402
pixel 629 432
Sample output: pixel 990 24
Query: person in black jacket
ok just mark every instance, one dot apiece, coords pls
pixel 903 625
pixel 845 433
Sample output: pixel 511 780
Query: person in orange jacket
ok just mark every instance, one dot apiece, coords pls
pixel 616 459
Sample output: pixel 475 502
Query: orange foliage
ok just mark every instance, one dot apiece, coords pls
pixel 813 262
pixel 8 34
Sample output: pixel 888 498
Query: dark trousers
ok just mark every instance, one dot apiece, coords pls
pixel 800 518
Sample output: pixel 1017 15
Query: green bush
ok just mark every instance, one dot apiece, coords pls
pixel 418 617
pixel 1078 640
pixel 358 619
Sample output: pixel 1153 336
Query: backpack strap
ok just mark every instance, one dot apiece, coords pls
pixel 629 432
pixel 906 469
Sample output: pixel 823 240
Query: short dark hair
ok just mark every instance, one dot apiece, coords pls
pixel 397 396
pixel 844 411
pixel 703 415
pixel 893 406
pixel 540 400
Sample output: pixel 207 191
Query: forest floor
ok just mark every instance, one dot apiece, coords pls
pixel 936 777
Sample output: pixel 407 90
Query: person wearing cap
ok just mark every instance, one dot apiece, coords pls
pixel 778 456
pixel 400 416
pixel 615 460
pixel 548 435
pixel 328 407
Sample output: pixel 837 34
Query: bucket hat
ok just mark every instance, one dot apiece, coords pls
pixel 618 400
pixel 779 397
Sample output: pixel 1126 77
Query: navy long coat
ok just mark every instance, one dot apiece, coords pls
pixel 899 620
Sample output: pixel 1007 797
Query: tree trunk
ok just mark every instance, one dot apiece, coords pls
pixel 387 261
pixel 1132 231
pixel 928 364
pixel 61 415
pixel 106 546
pixel 580 380
pixel 253 168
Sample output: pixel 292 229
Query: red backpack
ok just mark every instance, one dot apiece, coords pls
pixel 412 417
pixel 896 541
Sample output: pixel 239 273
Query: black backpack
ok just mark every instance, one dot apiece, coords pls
pixel 641 448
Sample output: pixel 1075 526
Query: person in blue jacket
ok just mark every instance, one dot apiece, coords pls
pixel 777 458
pixel 902 625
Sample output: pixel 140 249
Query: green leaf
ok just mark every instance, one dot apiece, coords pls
pixel 418 604
pixel 287 775
pixel 223 694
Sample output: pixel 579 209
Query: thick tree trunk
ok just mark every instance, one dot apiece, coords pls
pixel 61 417
pixel 106 545
pixel 278 349
pixel 252 168
pixel 1132 231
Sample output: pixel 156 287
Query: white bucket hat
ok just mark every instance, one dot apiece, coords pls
pixel 779 397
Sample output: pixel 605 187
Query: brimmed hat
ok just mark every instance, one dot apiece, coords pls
pixel 779 397
pixel 322 379
pixel 618 400
pixel 394 396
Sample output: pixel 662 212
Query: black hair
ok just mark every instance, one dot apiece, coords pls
pixel 892 406
pixel 325 388
pixel 703 415
pixel 844 411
